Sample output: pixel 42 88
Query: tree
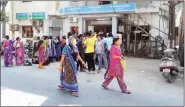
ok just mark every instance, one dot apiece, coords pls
pixel 3 17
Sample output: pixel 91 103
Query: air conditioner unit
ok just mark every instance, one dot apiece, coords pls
pixel 14 27
pixel 41 23
pixel 73 19
pixel 35 23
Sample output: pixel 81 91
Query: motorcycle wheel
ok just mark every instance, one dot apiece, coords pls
pixel 164 75
pixel 171 78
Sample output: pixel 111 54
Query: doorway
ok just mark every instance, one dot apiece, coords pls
pixel 104 28
pixel 74 30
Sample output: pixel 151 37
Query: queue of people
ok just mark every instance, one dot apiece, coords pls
pixel 47 50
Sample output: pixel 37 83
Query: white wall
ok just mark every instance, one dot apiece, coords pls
pixel 28 7
pixel 66 26
pixel 91 3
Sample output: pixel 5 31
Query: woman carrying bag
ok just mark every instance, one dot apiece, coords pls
pixel 115 68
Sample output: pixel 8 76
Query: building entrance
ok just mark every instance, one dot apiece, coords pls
pixel 74 30
pixel 99 24
pixel 104 28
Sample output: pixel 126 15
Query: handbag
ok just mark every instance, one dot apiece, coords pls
pixel 123 64
pixel 18 45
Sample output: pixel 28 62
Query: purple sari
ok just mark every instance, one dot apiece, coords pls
pixel 19 52
pixel 8 46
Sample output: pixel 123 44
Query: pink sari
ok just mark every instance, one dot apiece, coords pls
pixel 19 51
pixel 115 67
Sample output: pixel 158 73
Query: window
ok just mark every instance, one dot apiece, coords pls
pixel 104 2
pixel 26 1
pixel 27 32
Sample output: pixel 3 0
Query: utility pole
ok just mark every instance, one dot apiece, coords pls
pixel 172 34
pixel 3 3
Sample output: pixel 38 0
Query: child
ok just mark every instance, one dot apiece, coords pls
pixel 99 50
pixel 41 53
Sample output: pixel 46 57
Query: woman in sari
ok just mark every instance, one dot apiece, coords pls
pixel 115 69
pixel 8 46
pixel 41 53
pixel 67 67
pixel 57 48
pixel 19 52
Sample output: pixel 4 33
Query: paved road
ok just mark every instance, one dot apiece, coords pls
pixel 25 86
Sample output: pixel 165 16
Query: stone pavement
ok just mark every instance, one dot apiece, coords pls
pixel 30 86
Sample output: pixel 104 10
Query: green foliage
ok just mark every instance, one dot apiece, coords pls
pixel 3 17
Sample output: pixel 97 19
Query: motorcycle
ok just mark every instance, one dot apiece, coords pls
pixel 28 48
pixel 169 65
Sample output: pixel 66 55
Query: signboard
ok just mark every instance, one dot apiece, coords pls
pixel 21 16
pixel 38 15
pixel 109 8
pixel 33 15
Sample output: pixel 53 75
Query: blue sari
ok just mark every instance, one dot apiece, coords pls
pixel 68 75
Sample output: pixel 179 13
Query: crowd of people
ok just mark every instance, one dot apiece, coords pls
pixel 73 54
pixel 89 47
pixel 8 47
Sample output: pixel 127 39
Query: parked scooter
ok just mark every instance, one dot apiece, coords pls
pixel 28 48
pixel 169 65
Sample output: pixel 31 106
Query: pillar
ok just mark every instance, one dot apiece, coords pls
pixel 114 25
pixel 80 25
pixel 114 2
pixel 66 26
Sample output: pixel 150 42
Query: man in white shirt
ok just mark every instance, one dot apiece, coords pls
pixel 108 41
pixel 120 36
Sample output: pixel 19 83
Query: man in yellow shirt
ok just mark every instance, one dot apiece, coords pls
pixel 89 51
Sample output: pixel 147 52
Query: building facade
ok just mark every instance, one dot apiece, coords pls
pixel 38 18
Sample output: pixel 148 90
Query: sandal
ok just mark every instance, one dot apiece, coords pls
pixel 127 92
pixel 105 87
pixel 75 94
pixel 61 87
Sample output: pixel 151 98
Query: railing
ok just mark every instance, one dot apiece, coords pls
pixel 136 24
pixel 153 45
